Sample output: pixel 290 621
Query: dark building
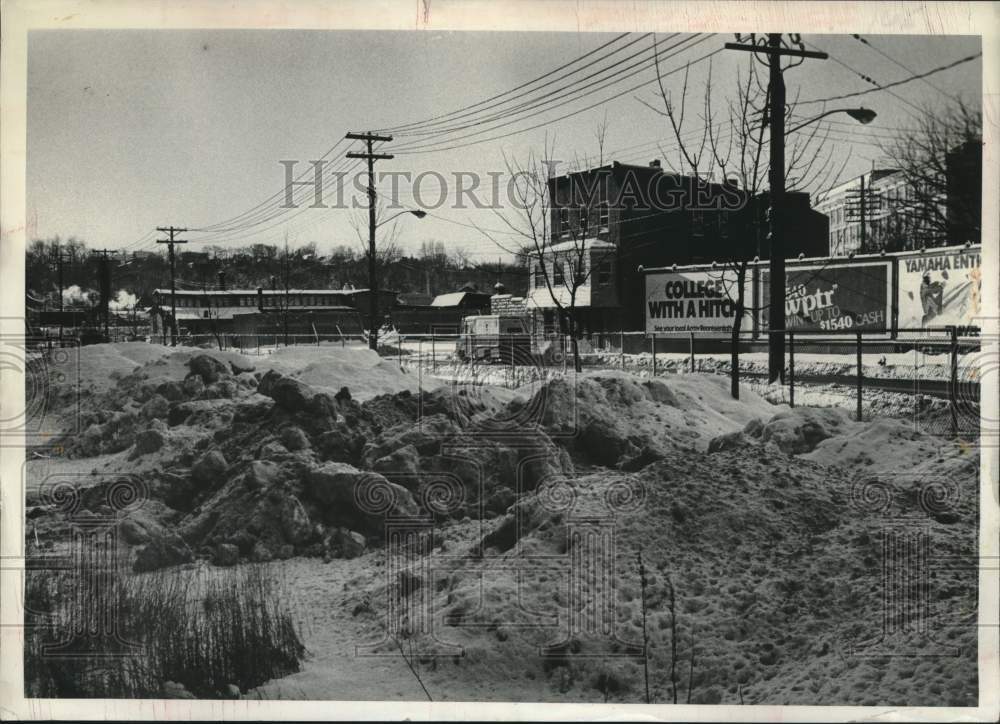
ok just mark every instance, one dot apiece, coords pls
pixel 320 324
pixel 654 219
pixel 443 314
pixel 807 230
pixel 211 311
pixel 964 193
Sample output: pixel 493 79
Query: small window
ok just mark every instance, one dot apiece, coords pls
pixel 698 223
pixel 604 273
pixel 564 221
pixel 603 215
pixel 539 278
pixel 558 277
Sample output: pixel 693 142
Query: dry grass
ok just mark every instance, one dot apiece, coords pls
pixel 208 632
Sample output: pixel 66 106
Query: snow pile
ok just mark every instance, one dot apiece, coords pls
pixel 328 368
pixel 97 367
pixel 750 512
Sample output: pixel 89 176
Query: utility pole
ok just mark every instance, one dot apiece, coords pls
pixel 774 48
pixel 371 157
pixel 864 233
pixel 104 284
pixel 171 231
pixel 287 302
pixel 59 276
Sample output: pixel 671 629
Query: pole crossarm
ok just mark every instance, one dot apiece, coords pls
pixel 373 156
pixel 769 50
pixel 368 137
pixel 775 49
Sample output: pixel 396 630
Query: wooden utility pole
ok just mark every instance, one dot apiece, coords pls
pixel 774 48
pixel 59 276
pixel 104 284
pixel 864 232
pixel 371 157
pixel 171 231
pixel 287 301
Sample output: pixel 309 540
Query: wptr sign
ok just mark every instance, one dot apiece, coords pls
pixel 692 301
pixel 833 297
pixel 940 289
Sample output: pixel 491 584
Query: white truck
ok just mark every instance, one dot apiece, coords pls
pixel 495 338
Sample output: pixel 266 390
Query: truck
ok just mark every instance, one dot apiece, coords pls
pixel 495 338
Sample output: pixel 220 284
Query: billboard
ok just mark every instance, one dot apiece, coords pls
pixel 940 288
pixel 835 298
pixel 700 300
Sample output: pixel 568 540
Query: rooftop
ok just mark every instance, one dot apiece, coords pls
pixel 266 292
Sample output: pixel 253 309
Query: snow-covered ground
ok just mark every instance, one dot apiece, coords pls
pixel 748 509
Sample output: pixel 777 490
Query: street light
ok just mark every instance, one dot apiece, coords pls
pixel 862 115
pixel 419 213
pixel 373 274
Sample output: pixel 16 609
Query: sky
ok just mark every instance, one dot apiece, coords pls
pixel 133 129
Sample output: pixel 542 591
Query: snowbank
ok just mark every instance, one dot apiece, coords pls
pixel 360 369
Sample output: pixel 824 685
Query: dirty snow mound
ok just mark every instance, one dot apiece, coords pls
pixel 328 368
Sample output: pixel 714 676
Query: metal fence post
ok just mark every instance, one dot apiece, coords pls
pixel 691 350
pixel 791 370
pixel 621 346
pixel 953 387
pixel 399 346
pixel 652 347
pixel 859 376
pixel 433 354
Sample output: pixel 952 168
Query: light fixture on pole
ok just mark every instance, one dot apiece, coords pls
pixel 862 115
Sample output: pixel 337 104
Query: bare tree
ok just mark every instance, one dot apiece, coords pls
pixel 943 148
pixel 730 145
pixel 564 259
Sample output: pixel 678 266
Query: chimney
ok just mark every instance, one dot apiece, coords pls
pixel 655 163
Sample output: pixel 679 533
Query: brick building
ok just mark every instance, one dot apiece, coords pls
pixel 643 216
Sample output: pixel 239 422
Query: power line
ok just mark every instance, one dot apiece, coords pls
pixel 910 79
pixel 551 97
pixel 409 150
pixel 407 126
pixel 241 219
pixel 429 128
pixel 871 81
pixel 888 57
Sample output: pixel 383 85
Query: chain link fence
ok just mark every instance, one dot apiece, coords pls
pixel 929 376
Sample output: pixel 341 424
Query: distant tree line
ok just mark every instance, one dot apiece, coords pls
pixel 433 269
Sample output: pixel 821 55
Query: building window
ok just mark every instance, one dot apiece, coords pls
pixel 603 215
pixel 698 223
pixel 539 280
pixel 604 273
pixel 563 221
pixel 558 277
